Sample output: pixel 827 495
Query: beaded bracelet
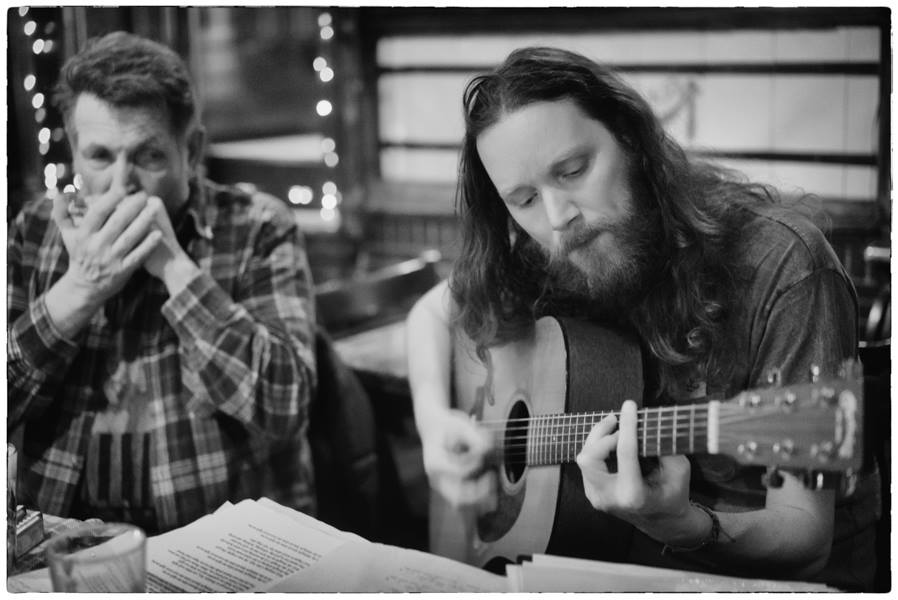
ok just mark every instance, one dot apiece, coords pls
pixel 711 538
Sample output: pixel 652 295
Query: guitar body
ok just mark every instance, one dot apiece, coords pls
pixel 563 367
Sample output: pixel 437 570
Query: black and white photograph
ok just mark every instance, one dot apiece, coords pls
pixel 448 298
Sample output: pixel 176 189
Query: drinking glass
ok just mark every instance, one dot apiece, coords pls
pixel 105 557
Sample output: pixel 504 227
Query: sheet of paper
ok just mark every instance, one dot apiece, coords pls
pixel 242 548
pixel 561 574
pixel 367 567
pixel 308 521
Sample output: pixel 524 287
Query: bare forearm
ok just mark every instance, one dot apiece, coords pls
pixel 789 538
pixel 783 541
pixel 429 356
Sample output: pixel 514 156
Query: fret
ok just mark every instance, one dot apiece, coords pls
pixel 572 445
pixel 553 429
pixel 579 442
pixel 691 428
pixel 676 430
pixel 562 445
pixel 566 438
pixel 644 428
pixel 658 432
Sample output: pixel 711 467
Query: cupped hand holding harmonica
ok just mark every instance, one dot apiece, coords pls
pixel 115 236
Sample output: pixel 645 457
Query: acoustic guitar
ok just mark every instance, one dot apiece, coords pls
pixel 541 396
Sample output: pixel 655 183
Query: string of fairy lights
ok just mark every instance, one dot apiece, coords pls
pixel 330 197
pixel 42 30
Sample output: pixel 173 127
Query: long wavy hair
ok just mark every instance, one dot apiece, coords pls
pixel 501 285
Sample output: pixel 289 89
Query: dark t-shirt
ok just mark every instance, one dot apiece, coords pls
pixel 795 307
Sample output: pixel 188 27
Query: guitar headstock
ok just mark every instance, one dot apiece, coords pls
pixel 814 427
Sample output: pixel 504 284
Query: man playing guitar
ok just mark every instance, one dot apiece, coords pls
pixel 575 203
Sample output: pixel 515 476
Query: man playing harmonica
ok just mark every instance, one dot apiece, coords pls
pixel 160 333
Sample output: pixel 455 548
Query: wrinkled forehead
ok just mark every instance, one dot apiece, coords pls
pixel 92 116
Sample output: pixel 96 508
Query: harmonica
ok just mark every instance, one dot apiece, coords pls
pixel 77 207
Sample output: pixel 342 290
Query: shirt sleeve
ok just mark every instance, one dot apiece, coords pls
pixel 253 353
pixel 37 356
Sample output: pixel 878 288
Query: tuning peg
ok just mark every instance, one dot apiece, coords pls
pixel 823 452
pixel 772 478
pixel 774 377
pixel 819 480
pixel 848 482
pixel 784 449
pixel 815 373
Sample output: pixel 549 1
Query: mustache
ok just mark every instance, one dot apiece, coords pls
pixel 575 238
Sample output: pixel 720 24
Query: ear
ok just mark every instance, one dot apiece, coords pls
pixel 195 144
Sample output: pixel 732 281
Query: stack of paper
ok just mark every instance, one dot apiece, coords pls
pixel 256 546
pixel 560 574
pixel 261 546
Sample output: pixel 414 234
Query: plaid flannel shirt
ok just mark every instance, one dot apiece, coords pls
pixel 229 363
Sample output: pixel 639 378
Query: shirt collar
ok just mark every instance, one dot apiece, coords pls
pixel 191 221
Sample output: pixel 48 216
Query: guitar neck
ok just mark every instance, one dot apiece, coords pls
pixel 661 431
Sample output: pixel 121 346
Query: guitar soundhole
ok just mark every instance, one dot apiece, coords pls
pixel 515 443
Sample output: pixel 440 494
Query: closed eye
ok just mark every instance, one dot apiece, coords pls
pixel 151 159
pixel 99 155
pixel 521 199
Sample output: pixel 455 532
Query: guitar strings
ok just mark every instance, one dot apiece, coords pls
pixel 561 420
pixel 667 428
pixel 544 450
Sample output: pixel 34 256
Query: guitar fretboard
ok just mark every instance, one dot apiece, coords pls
pixel 661 431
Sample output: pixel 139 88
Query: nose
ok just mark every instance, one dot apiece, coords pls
pixel 124 175
pixel 560 209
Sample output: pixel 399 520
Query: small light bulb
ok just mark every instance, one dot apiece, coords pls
pixel 329 201
pixel 300 194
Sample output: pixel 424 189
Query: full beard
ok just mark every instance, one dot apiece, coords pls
pixel 586 281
